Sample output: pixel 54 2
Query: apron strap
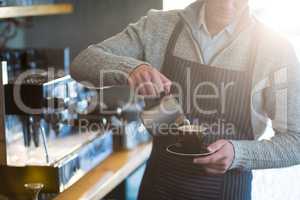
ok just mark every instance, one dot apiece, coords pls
pixel 173 39
pixel 254 47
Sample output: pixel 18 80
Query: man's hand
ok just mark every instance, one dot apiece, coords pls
pixel 148 81
pixel 219 162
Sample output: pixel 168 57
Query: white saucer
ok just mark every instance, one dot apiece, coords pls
pixel 170 149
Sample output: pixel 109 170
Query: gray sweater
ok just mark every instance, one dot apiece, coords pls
pixel 276 78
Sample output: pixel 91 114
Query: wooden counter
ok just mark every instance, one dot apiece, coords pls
pixel 35 10
pixel 109 174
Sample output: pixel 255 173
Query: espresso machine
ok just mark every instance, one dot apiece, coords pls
pixel 49 138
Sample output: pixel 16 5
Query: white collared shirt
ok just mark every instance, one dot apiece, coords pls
pixel 210 46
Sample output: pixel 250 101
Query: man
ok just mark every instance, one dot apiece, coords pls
pixel 242 75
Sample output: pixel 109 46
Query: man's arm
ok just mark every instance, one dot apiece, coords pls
pixel 120 53
pixel 283 150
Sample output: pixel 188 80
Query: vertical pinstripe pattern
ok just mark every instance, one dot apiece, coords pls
pixel 174 178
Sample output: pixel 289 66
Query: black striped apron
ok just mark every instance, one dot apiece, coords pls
pixel 171 177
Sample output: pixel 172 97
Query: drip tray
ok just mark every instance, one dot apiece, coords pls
pixel 60 175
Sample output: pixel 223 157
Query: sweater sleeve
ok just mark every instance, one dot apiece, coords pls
pixel 282 150
pixel 109 62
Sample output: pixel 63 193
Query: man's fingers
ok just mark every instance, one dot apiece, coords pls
pixel 150 90
pixel 149 81
pixel 214 171
pixel 157 82
pixel 166 83
pixel 210 160
pixel 216 146
pixel 161 82
pixel 220 160
pixel 148 85
pixel 139 85
pixel 167 87
pixel 205 160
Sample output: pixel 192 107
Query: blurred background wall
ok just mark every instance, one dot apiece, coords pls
pixel 91 22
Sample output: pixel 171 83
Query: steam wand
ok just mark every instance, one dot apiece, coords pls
pixel 45 145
